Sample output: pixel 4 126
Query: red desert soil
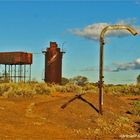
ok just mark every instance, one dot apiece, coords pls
pixel 63 116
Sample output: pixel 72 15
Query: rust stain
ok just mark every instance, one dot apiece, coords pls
pixel 53 64
pixel 15 58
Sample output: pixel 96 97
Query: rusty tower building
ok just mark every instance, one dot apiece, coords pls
pixel 15 66
pixel 53 64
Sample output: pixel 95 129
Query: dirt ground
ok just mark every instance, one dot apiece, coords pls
pixel 67 117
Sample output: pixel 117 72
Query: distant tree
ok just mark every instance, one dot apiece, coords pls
pixel 79 80
pixel 64 81
pixel 138 79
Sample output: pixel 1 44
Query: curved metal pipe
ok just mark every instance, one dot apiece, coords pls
pixel 101 82
pixel 118 27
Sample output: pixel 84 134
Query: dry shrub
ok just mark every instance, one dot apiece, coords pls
pixel 136 108
pixel 24 89
pixel 70 87
pixel 29 89
pixel 123 90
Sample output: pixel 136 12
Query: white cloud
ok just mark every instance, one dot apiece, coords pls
pixel 135 65
pixel 90 31
pixel 138 61
pixel 93 31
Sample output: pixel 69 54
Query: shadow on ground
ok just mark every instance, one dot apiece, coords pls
pixel 80 98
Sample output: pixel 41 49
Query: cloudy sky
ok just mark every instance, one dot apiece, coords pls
pixel 75 26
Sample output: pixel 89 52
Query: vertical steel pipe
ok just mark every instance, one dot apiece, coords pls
pixel 101 68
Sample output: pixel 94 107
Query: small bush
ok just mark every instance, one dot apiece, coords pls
pixel 136 108
pixel 123 90
pixel 24 89
pixel 43 88
pixel 73 88
pixel 29 89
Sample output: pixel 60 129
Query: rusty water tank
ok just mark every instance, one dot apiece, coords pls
pixel 53 64
pixel 17 66
pixel 15 58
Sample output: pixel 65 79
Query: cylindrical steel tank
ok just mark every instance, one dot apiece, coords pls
pixel 53 64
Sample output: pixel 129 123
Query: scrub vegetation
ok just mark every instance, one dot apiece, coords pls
pixel 71 108
pixel 33 88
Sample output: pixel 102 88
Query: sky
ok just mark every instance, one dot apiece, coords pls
pixel 75 25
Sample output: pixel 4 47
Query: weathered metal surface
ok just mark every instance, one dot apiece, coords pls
pixel 15 58
pixel 101 76
pixel 53 64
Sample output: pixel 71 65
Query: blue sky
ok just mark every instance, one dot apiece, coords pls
pixel 31 25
